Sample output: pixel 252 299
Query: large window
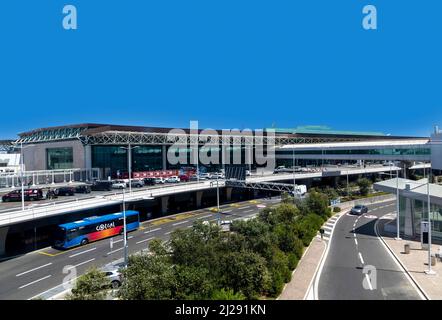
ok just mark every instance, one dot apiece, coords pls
pixel 59 158
pixel 147 158
pixel 109 158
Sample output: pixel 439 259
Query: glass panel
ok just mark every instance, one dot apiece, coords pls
pixel 59 158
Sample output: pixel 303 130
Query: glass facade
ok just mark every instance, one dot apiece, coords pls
pixel 109 158
pixel 384 152
pixel 418 212
pixel 147 158
pixel 59 158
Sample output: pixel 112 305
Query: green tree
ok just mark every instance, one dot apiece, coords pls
pixel 227 294
pixel 364 185
pixel 192 283
pixel 147 277
pixel 93 285
pixel 244 272
pixel 317 203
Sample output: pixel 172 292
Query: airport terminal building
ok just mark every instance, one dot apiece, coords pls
pixel 105 147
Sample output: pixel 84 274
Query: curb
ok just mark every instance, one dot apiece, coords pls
pixel 401 264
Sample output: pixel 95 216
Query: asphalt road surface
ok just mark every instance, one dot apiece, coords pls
pixel 358 266
pixel 29 275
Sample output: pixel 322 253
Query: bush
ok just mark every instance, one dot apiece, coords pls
pixel 227 294
pixel 90 286
pixel 336 209
pixel 293 261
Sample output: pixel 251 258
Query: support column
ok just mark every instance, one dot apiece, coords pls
pixel 88 162
pixel 229 194
pixel 199 197
pixel 3 234
pixel 164 204
pixel 408 216
pixel 164 154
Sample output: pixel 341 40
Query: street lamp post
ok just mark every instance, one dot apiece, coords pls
pixel 124 229
pixel 294 175
pixel 398 234
pixel 22 174
pixel 129 163
pixel 217 199
pixel 22 177
pixel 429 271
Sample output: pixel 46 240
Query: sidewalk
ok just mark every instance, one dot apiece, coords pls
pixel 416 262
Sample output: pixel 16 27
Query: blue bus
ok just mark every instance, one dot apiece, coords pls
pixel 94 228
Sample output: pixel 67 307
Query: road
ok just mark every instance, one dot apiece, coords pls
pixel 32 274
pixel 355 246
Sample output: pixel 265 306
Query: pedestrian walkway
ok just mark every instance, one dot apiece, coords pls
pixel 416 262
pixel 303 276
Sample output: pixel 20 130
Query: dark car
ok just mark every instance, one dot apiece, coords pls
pixel 149 181
pixel 83 189
pixel 66 191
pixel 359 209
pixel 29 194
pixel 102 185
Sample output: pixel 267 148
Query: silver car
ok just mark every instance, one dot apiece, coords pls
pixel 359 209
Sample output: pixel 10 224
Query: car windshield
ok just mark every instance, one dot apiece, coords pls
pixel 358 207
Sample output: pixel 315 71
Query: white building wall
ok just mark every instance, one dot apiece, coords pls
pixel 35 157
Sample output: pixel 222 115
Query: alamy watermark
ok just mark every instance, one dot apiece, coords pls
pixel 227 146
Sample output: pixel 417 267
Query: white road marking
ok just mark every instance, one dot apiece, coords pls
pixel 356 241
pixel 244 207
pixel 130 237
pixel 181 222
pixel 367 278
pixel 360 258
pixel 85 251
pixel 153 230
pixel 81 263
pixel 110 252
pixel 20 274
pixel 354 234
pixel 248 211
pixel 169 232
pixel 148 239
pixel 30 283
pixel 209 215
pixel 227 211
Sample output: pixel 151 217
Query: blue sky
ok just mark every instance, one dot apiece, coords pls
pixel 228 64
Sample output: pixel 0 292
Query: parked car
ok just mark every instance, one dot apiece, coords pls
pixel 101 185
pixel 359 209
pixel 205 175
pixel 118 184
pixel 113 274
pixel 136 183
pixel 83 189
pixel 279 169
pixel 173 179
pixel 217 175
pixel 184 178
pixel 65 191
pixel 159 180
pixel 149 181
pixel 29 194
